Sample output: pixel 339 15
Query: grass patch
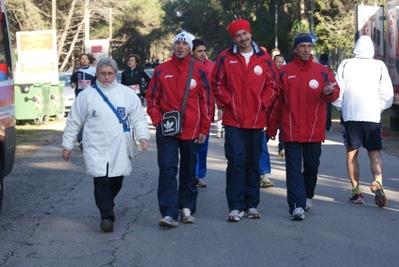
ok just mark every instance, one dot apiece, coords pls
pixel 29 131
pixel 335 116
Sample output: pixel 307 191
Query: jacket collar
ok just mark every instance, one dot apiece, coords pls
pixel 257 50
pixel 175 60
pixel 105 87
pixel 302 63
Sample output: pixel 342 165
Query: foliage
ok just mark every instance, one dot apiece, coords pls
pixel 146 27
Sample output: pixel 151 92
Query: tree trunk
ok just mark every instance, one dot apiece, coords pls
pixel 303 11
pixel 66 29
pixel 75 38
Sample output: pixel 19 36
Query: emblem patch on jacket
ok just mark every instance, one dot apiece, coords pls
pixel 121 111
pixel 193 84
pixel 313 84
pixel 258 70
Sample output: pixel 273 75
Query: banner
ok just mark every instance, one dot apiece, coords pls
pixel 37 57
pixel 99 48
pixel 370 21
pixel 393 45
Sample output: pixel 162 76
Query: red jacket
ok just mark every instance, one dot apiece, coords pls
pixel 246 91
pixel 209 66
pixel 302 105
pixel 166 92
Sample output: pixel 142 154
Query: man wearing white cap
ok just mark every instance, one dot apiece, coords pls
pixel 166 93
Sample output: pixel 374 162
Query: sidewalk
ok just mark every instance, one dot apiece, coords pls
pixel 334 233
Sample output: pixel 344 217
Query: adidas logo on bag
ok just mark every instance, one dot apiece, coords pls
pixel 168 126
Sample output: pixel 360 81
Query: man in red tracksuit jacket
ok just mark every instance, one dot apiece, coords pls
pixel 165 93
pixel 305 88
pixel 244 80
pixel 199 53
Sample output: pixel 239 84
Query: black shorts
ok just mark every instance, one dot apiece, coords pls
pixel 358 133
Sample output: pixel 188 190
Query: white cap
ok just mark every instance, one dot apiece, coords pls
pixel 184 36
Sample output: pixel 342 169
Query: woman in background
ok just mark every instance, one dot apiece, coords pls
pixel 133 76
pixel 83 78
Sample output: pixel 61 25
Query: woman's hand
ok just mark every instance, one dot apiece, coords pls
pixel 66 155
pixel 144 144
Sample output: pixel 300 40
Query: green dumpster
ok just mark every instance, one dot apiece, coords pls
pixel 29 102
pixel 55 97
pixel 46 102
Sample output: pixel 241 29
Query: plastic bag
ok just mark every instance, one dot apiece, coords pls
pixel 132 150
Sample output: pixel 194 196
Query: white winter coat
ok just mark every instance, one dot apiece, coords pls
pixel 103 136
pixel 366 88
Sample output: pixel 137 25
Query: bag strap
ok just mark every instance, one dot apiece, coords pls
pixel 190 72
pixel 121 120
pixel 109 103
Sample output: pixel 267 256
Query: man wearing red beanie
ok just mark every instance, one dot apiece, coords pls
pixel 244 80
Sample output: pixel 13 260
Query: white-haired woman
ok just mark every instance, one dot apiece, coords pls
pixel 104 135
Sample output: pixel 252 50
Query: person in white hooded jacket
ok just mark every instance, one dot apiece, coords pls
pixel 105 148
pixel 366 91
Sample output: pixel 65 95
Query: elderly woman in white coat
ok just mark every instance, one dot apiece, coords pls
pixel 105 147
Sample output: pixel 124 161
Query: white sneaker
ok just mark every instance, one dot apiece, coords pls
pixel 252 213
pixel 168 221
pixel 298 214
pixel 235 215
pixel 185 216
pixel 200 183
pixel 265 181
pixel 308 205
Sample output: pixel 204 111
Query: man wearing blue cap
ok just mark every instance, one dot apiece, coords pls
pixel 305 87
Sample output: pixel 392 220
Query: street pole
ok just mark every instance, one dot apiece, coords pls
pixel 311 15
pixel 275 26
pixel 87 20
pixel 54 14
pixel 110 32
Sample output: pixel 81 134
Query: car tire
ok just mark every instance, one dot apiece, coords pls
pixel 1 185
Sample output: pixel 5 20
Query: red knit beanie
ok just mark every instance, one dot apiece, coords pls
pixel 240 24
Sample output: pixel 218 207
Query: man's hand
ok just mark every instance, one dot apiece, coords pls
pixel 201 138
pixel 144 144
pixel 329 89
pixel 220 114
pixel 66 155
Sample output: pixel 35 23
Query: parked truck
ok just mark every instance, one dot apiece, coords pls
pixel 7 111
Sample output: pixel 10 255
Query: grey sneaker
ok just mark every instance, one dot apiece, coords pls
pixel 298 214
pixel 308 205
pixel 235 215
pixel 200 183
pixel 357 198
pixel 265 181
pixel 168 221
pixel 252 213
pixel 380 197
pixel 185 216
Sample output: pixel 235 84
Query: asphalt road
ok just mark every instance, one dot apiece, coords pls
pixel 49 217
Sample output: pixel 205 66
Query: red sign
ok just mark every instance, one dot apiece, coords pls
pixel 96 49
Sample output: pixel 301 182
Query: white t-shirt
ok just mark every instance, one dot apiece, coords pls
pixel 247 56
